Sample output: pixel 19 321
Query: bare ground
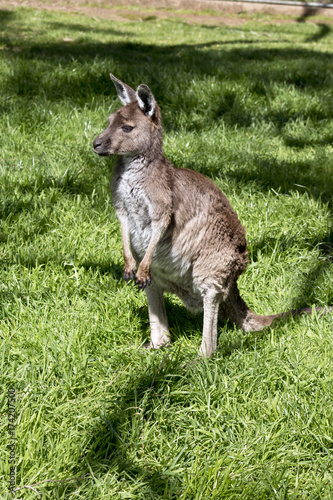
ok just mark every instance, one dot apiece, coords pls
pixel 191 11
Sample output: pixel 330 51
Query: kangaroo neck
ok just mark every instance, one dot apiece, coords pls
pixel 141 161
pixel 133 162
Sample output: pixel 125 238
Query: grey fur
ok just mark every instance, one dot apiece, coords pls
pixel 178 229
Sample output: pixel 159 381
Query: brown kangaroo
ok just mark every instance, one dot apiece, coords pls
pixel 178 229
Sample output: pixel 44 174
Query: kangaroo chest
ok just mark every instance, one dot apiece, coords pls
pixel 172 269
pixel 128 188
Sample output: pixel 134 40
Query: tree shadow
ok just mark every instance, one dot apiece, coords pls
pixel 259 68
pixel 87 29
pixel 5 17
pixel 107 448
pixel 284 176
pixel 324 29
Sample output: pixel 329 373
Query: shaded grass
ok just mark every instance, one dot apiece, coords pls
pixel 252 109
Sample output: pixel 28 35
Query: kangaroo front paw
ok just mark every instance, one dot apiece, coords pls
pixel 142 282
pixel 142 278
pixel 129 274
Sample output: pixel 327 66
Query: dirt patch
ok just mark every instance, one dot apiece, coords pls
pixel 123 14
pixel 219 11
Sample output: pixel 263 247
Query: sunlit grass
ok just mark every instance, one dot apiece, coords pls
pixel 250 107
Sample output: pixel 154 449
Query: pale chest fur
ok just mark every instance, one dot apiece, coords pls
pixel 129 195
pixel 131 188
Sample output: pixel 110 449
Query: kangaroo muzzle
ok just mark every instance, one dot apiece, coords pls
pixel 102 147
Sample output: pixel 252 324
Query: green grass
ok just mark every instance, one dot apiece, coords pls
pixel 251 107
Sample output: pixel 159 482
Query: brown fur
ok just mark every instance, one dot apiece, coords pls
pixel 178 229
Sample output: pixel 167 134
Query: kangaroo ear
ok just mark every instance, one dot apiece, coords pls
pixel 125 93
pixel 146 100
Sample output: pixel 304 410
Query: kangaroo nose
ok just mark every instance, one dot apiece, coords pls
pixel 97 143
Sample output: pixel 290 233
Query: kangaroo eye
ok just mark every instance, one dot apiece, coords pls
pixel 127 128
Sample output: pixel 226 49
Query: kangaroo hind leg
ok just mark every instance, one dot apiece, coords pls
pixel 211 302
pixel 236 310
pixel 159 328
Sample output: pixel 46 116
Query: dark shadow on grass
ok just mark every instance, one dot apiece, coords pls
pixel 268 244
pixel 87 29
pixel 134 412
pixel 315 278
pixel 308 12
pixel 108 450
pixel 325 245
pixel 180 319
pixel 300 142
pixel 128 54
pixel 104 268
pixel 303 69
pixel 6 16
pixel 285 176
pixel 324 29
pixel 105 448
pixel 261 68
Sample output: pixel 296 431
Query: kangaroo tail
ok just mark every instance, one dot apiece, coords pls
pixel 255 322
pixel 237 311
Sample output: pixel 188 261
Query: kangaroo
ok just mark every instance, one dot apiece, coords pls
pixel 179 231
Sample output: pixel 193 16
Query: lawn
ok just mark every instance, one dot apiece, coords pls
pixel 96 416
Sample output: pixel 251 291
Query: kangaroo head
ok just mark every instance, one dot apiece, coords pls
pixel 131 129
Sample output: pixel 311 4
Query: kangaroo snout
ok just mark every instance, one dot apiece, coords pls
pixel 101 147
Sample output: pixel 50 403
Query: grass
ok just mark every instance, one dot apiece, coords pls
pixel 250 107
